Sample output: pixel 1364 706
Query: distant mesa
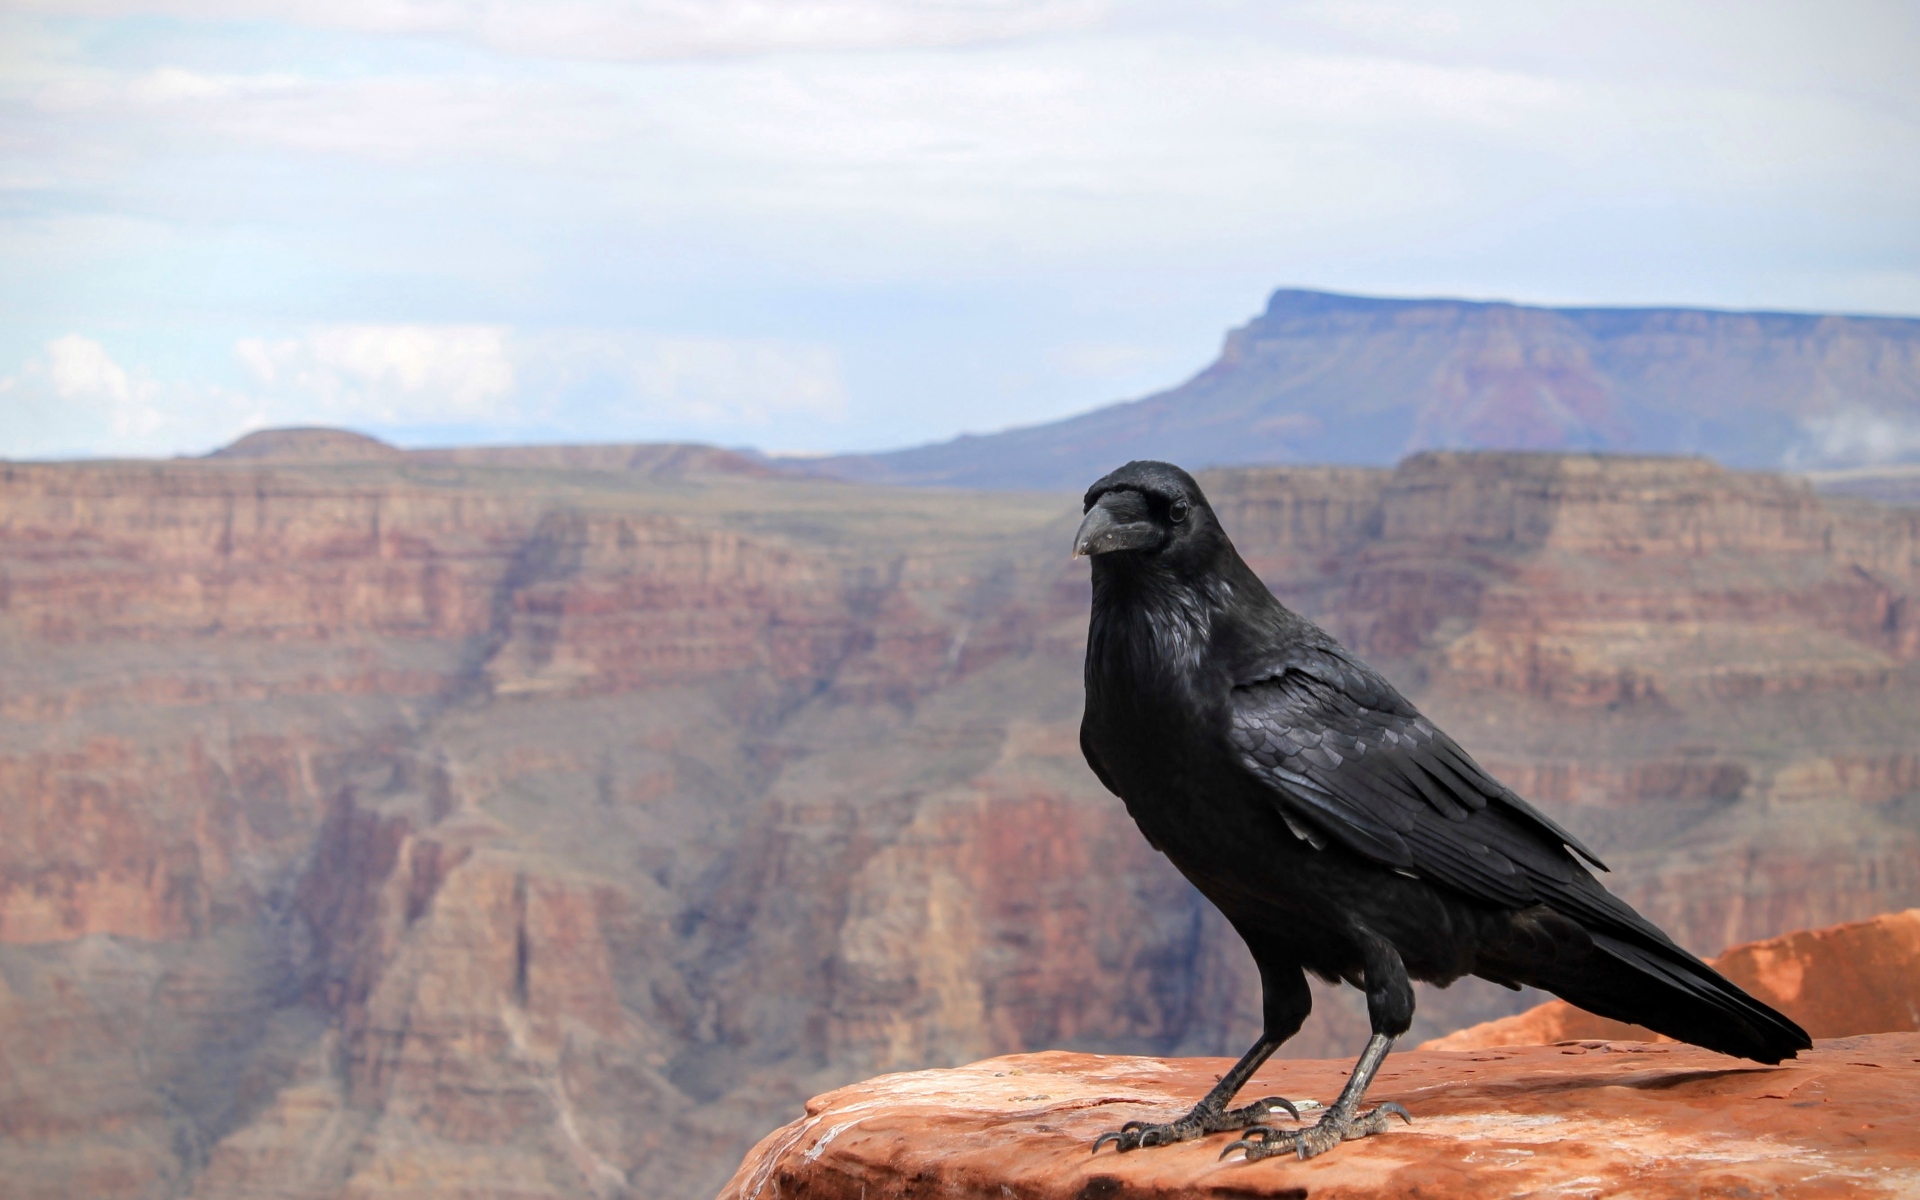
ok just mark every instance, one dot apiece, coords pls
pixel 310 444
pixel 1365 381
pixel 1323 378
pixel 1897 483
pixel 660 460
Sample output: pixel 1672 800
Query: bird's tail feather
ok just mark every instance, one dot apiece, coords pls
pixel 1670 991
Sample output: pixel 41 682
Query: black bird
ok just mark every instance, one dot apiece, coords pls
pixel 1336 828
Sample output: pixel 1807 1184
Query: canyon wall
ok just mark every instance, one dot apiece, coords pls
pixel 490 824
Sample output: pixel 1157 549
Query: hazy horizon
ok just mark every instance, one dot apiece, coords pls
pixel 849 225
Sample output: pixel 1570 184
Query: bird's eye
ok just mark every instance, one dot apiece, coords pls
pixel 1177 511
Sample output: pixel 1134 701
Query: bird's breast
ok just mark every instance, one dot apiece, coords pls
pixel 1161 747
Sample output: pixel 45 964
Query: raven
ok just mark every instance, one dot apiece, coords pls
pixel 1335 827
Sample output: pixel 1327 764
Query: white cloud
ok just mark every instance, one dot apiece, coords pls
pixel 484 382
pixel 1858 437
pixel 394 376
pixel 75 399
pixel 200 172
pixel 93 389
pixel 81 369
pixel 598 378
pixel 638 30
pixel 1114 143
pixel 388 374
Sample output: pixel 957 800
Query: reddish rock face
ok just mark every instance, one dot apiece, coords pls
pixel 499 824
pixel 1330 378
pixel 1586 1118
pixel 1862 977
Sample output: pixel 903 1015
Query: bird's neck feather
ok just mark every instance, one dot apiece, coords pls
pixel 1154 623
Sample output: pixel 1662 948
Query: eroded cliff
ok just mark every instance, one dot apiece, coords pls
pixel 479 827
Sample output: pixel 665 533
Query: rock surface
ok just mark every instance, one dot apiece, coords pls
pixel 1589 1118
pixel 1861 977
pixel 1319 377
pixel 494 827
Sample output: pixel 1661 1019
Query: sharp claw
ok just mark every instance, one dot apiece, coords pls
pixel 1272 1102
pixel 1133 1126
pixel 1396 1110
pixel 1118 1138
pixel 1257 1137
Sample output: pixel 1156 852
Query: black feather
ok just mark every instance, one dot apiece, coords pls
pixel 1328 819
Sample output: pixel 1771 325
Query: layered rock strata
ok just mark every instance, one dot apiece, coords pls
pixel 1319 377
pixel 388 827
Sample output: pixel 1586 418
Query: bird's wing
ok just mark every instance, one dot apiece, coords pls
pixel 1345 758
pixel 1349 759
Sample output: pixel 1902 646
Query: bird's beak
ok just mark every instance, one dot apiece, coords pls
pixel 1102 531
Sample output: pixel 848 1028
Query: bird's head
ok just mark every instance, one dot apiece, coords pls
pixel 1148 513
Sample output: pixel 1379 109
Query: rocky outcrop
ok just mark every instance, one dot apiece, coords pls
pixel 1897 483
pixel 661 460
pixel 481 827
pixel 312 444
pixel 1586 1118
pixel 1861 977
pixel 1358 379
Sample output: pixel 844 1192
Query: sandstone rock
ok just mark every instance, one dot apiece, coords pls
pixel 483 827
pixel 311 444
pixel 658 460
pixel 1862 977
pixel 1585 1118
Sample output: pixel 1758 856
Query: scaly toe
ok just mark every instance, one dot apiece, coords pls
pixel 1262 1141
pixel 1320 1139
pixel 1261 1110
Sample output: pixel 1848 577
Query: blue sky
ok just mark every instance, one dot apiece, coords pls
pixel 828 225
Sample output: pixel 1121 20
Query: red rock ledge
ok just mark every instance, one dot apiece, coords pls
pixel 1583 1119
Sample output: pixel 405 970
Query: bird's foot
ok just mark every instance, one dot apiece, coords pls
pixel 1203 1120
pixel 1261 1141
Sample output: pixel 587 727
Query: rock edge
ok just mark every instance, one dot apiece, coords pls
pixel 1584 1118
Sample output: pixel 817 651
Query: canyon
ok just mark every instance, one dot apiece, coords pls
pixel 549 821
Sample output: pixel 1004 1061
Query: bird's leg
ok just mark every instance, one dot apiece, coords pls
pixel 1343 1122
pixel 1390 1009
pixel 1285 1003
pixel 1211 1115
